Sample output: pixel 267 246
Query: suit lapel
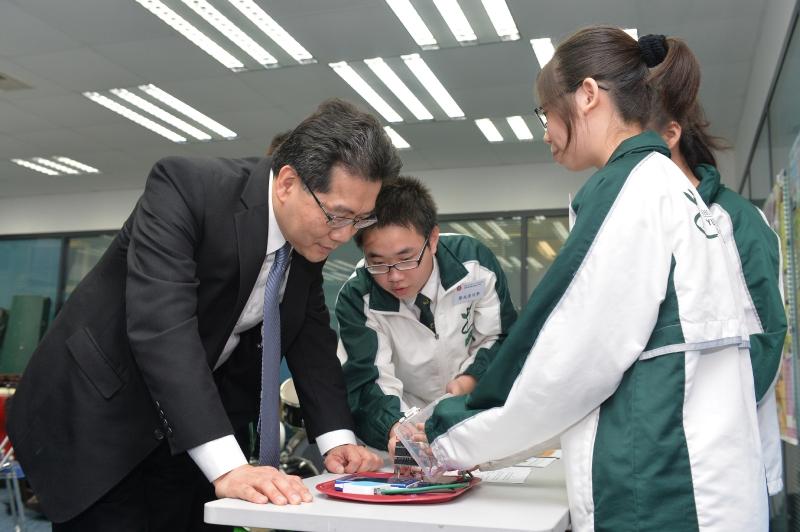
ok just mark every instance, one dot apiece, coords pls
pixel 252 225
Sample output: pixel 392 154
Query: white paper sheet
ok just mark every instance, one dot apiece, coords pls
pixel 508 475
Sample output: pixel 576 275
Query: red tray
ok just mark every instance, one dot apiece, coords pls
pixel 328 489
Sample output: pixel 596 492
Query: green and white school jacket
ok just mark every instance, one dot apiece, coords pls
pixel 754 251
pixel 632 349
pixel 392 362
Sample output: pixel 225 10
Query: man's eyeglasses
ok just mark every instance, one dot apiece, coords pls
pixel 542 115
pixel 403 265
pixel 337 222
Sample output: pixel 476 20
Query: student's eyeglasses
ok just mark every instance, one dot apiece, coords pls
pixel 403 265
pixel 542 115
pixel 337 222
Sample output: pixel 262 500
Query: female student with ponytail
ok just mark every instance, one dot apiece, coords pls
pixel 632 350
pixel 753 246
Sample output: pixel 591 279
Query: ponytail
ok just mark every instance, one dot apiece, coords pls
pixel 609 55
pixel 676 82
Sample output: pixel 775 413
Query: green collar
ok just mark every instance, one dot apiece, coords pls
pixel 646 141
pixel 710 184
pixel 451 271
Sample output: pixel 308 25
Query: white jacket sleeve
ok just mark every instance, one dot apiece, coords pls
pixel 594 333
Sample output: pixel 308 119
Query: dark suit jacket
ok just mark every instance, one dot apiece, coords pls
pixel 127 363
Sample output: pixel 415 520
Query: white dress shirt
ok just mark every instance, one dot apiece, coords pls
pixel 217 457
pixel 430 290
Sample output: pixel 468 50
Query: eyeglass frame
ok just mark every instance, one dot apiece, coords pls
pixel 389 267
pixel 338 222
pixel 542 115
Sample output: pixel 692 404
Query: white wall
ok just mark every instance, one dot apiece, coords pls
pixel 66 213
pixel 464 190
pixel 775 25
pixel 502 188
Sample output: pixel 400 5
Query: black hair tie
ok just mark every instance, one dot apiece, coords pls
pixel 653 49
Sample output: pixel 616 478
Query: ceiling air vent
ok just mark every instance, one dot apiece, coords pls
pixel 7 83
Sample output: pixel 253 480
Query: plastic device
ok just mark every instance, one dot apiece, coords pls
pixel 411 434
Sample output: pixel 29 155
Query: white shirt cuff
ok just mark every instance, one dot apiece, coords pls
pixel 335 438
pixel 217 457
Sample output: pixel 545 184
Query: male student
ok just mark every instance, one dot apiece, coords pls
pixel 422 315
pixel 125 417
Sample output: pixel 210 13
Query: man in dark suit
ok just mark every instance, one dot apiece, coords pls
pixel 125 418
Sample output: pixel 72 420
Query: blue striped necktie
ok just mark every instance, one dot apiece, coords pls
pixel 268 418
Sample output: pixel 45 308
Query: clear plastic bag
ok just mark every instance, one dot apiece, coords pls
pixel 411 433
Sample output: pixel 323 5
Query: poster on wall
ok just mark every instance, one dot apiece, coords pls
pixel 778 211
pixel 783 206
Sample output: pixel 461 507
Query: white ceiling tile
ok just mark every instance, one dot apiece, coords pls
pixel 62 48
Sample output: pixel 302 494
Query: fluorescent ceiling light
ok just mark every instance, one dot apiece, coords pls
pixel 519 127
pixel 396 85
pixel 273 30
pixel 230 30
pixel 158 112
pixel 414 25
pixel 546 249
pixel 352 78
pixel 460 228
pixel 187 110
pixel 455 19
pixel 398 141
pixel 533 263
pixel 633 32
pixel 76 164
pixel 480 231
pixel 501 19
pixel 55 166
pixel 489 130
pixel 133 116
pixel 543 48
pixel 515 261
pixel 559 228
pixel 33 166
pixel 417 65
pixel 504 263
pixel 179 24
pixel 499 231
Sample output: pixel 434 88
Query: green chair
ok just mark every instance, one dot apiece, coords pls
pixel 27 321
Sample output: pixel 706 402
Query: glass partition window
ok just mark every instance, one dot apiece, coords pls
pixel 761 173
pixel 784 107
pixel 29 267
pixel 546 235
pixel 82 254
pixel 525 246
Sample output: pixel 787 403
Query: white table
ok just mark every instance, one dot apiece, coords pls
pixel 540 504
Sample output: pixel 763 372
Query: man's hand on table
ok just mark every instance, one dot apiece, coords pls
pixel 351 459
pixel 262 484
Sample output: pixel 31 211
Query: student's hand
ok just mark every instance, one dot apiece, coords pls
pixel 351 458
pixel 262 484
pixel 416 434
pixel 392 441
pixel 461 385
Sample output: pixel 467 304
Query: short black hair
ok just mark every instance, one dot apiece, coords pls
pixel 337 133
pixel 276 141
pixel 406 202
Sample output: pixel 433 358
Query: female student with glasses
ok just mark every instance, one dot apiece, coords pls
pixel 632 349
